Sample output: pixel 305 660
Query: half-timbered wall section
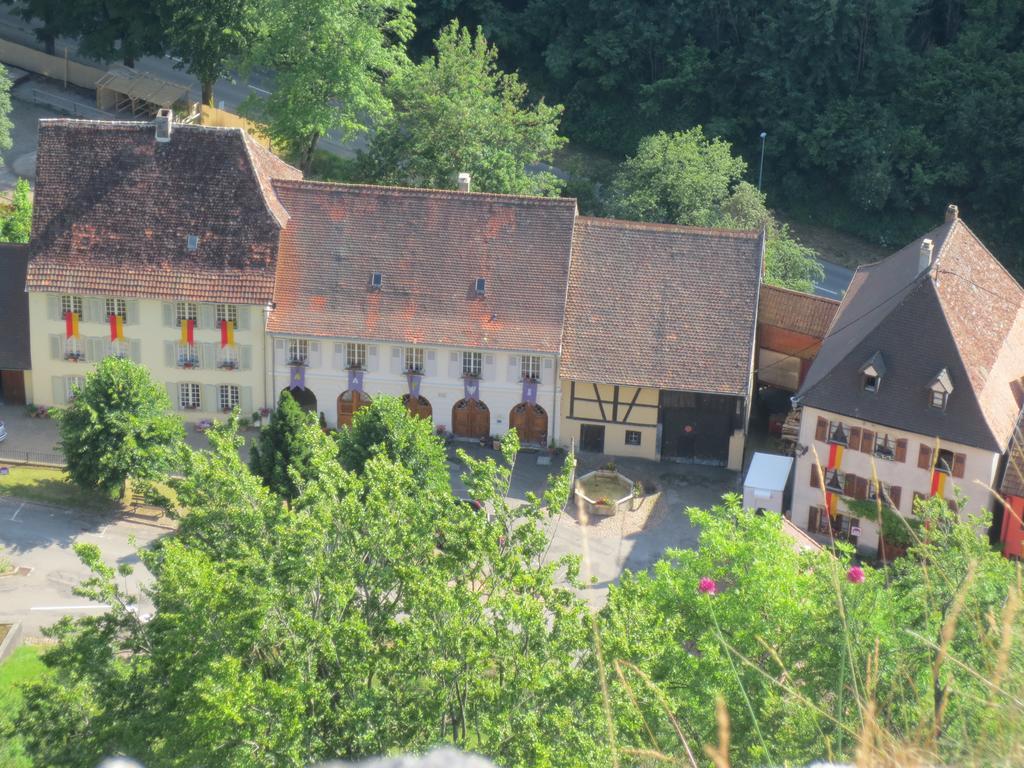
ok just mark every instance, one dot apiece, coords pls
pixel 623 418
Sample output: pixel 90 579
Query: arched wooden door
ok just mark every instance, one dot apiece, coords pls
pixel 349 402
pixel 471 418
pixel 419 407
pixel 304 397
pixel 531 422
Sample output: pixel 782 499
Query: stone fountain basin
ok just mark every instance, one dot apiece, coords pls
pixel 604 492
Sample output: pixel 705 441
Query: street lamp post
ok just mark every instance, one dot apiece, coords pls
pixel 760 171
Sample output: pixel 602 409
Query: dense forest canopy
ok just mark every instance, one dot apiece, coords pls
pixel 878 112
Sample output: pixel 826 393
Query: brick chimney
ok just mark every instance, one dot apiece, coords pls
pixel 925 258
pixel 952 213
pixel 163 122
pixel 464 182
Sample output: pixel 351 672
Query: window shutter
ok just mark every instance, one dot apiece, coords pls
pixel 372 358
pixel 245 400
pixel 338 358
pixel 396 360
pixel 867 441
pixel 53 306
pixel 245 357
pixel 93 309
pixel 244 317
pixel 207 355
pixel 315 358
pixel 173 396
pixel 56 347
pixel 59 393
pixel 95 349
pixel 924 457
pixel 812 519
pixel 488 373
pixel 901 450
pixel 821 430
pixel 208 399
pixel 850 485
pixel 169 314
pixel 133 312
pixel 815 477
pixel 431 365
pixel 135 350
pixel 959 464
pixel 206 316
pixel 454 371
pixel 514 368
pixel 894 497
pixel 861 490
pixel 170 354
pixel 854 442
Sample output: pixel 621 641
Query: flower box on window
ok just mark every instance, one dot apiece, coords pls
pixel 74 357
pixel 229 365
pixel 413 371
pixel 189 362
pixel 470 375
pixel 295 362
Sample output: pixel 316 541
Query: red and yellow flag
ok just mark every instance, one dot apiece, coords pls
pixel 188 331
pixel 227 333
pixel 835 456
pixel 938 482
pixel 71 325
pixel 116 328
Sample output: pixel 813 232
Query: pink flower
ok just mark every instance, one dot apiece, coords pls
pixel 855 575
pixel 708 586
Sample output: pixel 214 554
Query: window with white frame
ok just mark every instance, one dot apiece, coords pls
pixel 187 310
pixel 70 304
pixel 885 447
pixel 117 307
pixel 414 360
pixel 71 386
pixel 227 312
pixel 838 433
pixel 73 349
pixel 298 352
pixel 227 356
pixel 227 395
pixel 188 397
pixel 875 486
pixel 355 356
pixel 188 356
pixel 472 364
pixel 531 367
pixel 835 480
pixel 938 399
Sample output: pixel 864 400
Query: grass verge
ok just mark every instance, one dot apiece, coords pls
pixel 51 486
pixel 23 666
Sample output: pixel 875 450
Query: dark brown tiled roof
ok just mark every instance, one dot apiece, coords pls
pixel 14 347
pixel 795 311
pixel 114 209
pixel 662 306
pixel 965 314
pixel 430 247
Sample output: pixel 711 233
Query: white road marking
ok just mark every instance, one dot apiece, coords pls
pixel 103 530
pixel 14 517
pixel 260 90
pixel 91 607
pixel 823 289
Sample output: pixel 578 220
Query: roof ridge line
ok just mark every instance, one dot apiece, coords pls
pixel 259 183
pixel 662 226
pixel 803 294
pixel 425 191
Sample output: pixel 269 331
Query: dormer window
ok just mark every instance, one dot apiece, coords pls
pixel 193 243
pixel 940 389
pixel 376 281
pixel 872 372
pixel 481 286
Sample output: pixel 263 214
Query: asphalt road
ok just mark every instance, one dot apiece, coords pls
pixel 40 537
pixel 836 280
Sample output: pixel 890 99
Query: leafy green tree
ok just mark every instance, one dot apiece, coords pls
pixel 209 35
pixel 330 59
pixel 369 617
pixel 51 17
pixel 5 110
pixel 16 223
pixel 685 178
pixel 118 427
pixel 115 29
pixel 282 453
pixel 458 111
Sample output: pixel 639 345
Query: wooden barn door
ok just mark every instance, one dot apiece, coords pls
pixel 471 418
pixel 349 402
pixel 531 422
pixel 419 407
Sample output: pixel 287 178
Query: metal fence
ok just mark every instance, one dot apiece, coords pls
pixel 54 459
pixel 67 106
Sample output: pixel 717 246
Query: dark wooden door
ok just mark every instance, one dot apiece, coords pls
pixel 12 387
pixel 696 428
pixel 349 402
pixel 592 438
pixel 530 421
pixel 419 406
pixel 471 418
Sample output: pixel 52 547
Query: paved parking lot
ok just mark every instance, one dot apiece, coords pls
pixel 40 538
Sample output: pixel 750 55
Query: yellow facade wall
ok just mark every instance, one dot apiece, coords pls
pixel 617 411
pixel 151 334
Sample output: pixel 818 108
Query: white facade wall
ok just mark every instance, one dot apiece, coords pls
pixel 442 383
pixel 980 469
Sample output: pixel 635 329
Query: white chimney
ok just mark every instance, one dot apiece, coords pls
pixel 952 213
pixel 163 122
pixel 925 259
pixel 464 182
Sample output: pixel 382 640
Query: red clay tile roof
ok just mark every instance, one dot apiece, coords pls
pixel 14 349
pixel 965 314
pixel 662 306
pixel 114 209
pixel 430 247
pixel 795 311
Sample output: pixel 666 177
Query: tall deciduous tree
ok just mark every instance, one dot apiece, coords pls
pixel 282 453
pixel 330 59
pixel 209 35
pixel 458 111
pixel 115 29
pixel 5 110
pixel 118 426
pixel 51 16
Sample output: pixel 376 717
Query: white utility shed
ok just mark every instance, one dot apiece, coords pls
pixel 765 484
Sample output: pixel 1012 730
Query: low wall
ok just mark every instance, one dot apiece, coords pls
pixel 55 67
pixel 12 641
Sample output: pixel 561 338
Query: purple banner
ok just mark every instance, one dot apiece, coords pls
pixel 414 384
pixel 298 377
pixel 355 380
pixel 471 388
pixel 529 391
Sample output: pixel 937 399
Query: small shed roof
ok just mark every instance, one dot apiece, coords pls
pixel 768 472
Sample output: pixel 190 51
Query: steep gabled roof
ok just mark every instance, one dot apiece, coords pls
pixel 114 209
pixel 14 349
pixel 663 306
pixel 430 247
pixel 964 313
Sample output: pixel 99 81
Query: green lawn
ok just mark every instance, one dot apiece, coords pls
pixel 23 666
pixel 50 486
